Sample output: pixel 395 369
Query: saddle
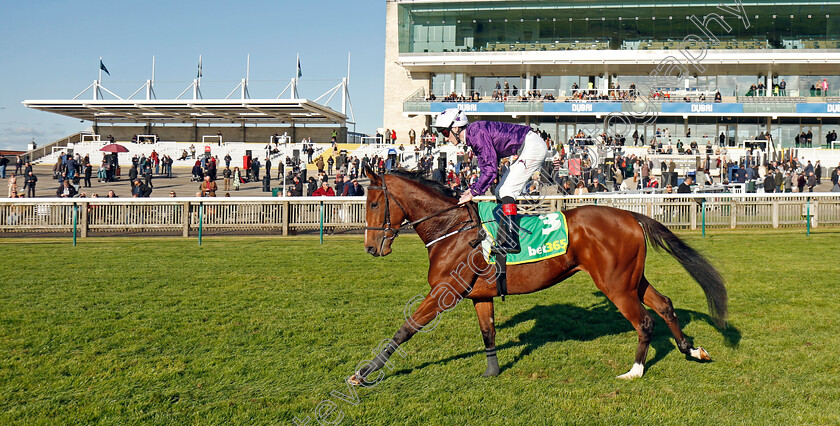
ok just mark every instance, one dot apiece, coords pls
pixel 542 237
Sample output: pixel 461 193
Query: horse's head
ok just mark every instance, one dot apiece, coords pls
pixel 384 216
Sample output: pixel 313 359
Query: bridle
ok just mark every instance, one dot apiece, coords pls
pixel 389 229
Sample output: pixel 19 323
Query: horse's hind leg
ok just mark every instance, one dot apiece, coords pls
pixel 663 306
pixel 621 287
pixel 630 306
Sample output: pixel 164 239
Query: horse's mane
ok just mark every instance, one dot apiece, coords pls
pixel 420 177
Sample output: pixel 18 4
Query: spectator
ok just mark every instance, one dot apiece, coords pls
pixel 148 176
pixel 645 170
pixel 3 163
pixel 345 186
pixel 111 194
pixel 355 190
pixel 65 190
pixel 255 170
pixel 596 187
pixel 132 174
pixel 565 188
pixel 13 186
pixel 139 190
pixel 208 187
pixel 685 187
pixel 769 183
pixel 324 190
pixel 29 184
pixel 226 174
pixel 197 172
pixel 88 173
pixel 818 171
pixel 581 189
pixel 237 178
pixel 297 187
pixel 312 186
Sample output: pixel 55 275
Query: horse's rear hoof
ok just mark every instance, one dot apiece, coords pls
pixel 354 380
pixel 701 354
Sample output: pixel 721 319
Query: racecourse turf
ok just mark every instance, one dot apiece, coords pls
pixel 265 330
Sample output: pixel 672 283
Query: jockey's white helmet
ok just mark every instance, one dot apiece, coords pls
pixel 451 117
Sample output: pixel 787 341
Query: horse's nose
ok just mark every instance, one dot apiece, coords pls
pixel 371 250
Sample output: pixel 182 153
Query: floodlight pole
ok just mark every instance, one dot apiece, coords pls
pixel 149 84
pixel 294 94
pixel 247 75
pixel 346 86
pixel 197 81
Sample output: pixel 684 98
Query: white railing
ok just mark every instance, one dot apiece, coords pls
pixel 283 215
pixel 147 139
pixel 90 138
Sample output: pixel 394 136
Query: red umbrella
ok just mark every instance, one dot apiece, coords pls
pixel 113 147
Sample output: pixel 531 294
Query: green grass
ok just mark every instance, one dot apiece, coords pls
pixel 260 330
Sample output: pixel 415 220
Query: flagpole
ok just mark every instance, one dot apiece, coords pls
pixel 100 70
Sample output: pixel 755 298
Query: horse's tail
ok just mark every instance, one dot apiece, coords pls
pixel 697 266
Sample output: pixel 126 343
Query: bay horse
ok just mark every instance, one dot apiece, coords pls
pixel 608 243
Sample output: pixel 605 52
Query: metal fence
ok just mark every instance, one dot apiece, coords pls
pixel 183 216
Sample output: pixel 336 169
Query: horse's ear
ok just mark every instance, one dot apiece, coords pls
pixel 370 174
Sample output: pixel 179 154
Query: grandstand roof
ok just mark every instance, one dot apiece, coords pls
pixel 288 111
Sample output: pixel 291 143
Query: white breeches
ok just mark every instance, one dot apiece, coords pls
pixel 520 172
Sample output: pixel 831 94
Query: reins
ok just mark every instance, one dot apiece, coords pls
pixel 389 229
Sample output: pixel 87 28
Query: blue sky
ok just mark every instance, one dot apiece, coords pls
pixel 51 50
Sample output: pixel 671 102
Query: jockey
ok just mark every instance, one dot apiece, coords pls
pixel 491 141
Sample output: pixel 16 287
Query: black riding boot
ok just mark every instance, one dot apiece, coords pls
pixel 507 239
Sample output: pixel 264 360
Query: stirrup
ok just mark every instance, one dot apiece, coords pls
pixel 504 249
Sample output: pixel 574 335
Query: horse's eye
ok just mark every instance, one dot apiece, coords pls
pixel 373 205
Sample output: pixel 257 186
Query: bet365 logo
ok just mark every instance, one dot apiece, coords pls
pixel 551 246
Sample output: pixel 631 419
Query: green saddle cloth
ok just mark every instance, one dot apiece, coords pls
pixel 541 237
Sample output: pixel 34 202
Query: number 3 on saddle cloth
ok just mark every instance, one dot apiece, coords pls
pixel 543 236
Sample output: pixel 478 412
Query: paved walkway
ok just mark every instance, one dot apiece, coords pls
pixel 181 184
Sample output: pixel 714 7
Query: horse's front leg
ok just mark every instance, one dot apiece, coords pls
pixel 484 310
pixel 425 313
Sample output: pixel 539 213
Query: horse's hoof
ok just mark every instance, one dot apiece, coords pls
pixel 701 354
pixel 489 373
pixel 354 380
pixel 637 371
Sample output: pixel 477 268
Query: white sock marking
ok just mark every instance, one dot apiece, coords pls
pixel 637 371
